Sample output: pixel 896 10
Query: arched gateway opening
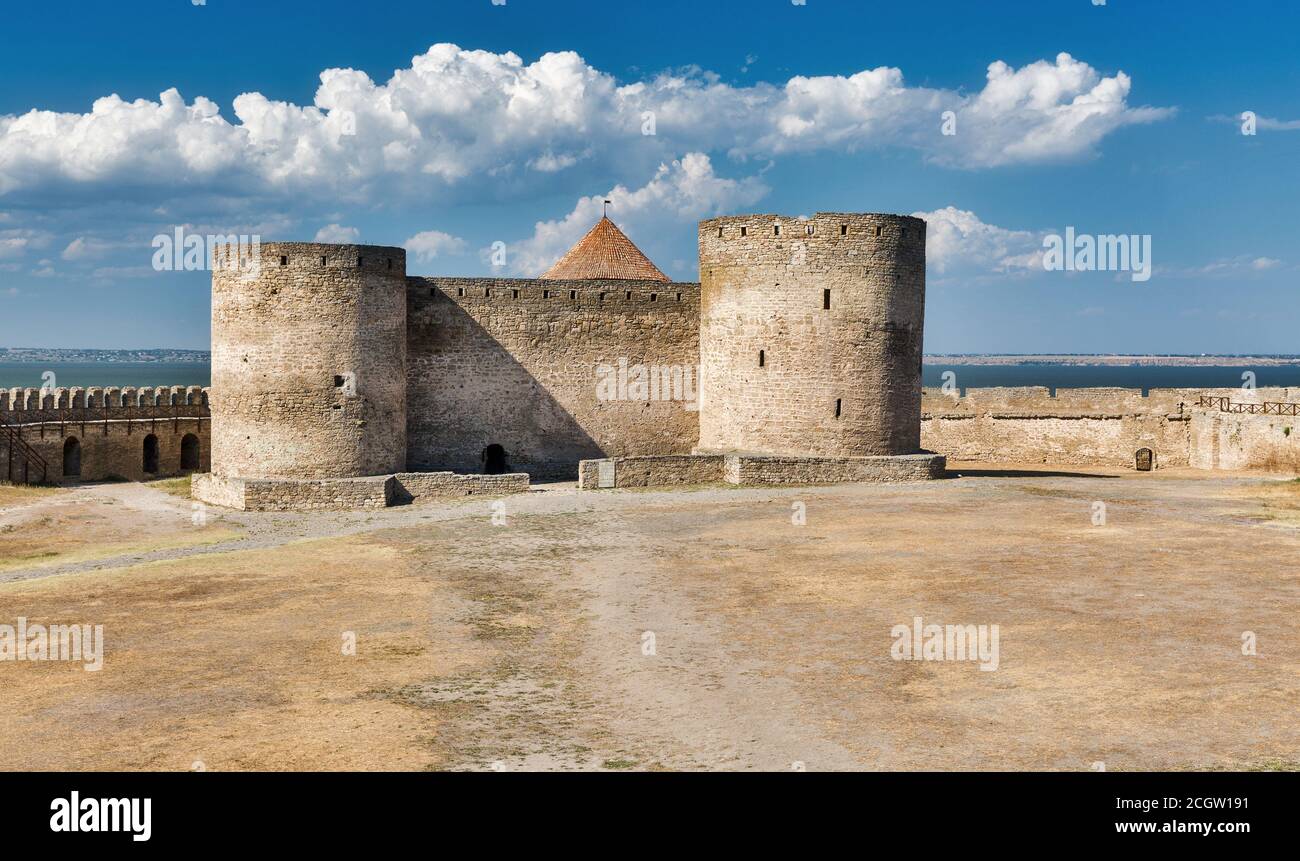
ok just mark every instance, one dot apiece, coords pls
pixel 151 454
pixel 189 452
pixel 1145 460
pixel 72 457
pixel 494 460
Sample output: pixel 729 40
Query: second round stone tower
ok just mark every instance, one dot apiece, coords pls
pixel 810 334
pixel 309 362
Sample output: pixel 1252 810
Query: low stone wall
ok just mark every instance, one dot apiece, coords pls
pixel 667 471
pixel 286 494
pixel 348 494
pixel 1222 440
pixel 416 487
pixel 836 470
pixel 651 471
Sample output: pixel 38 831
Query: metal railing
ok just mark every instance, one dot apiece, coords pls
pixel 1268 408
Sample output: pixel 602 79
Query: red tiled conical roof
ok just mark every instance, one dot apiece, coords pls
pixel 605 252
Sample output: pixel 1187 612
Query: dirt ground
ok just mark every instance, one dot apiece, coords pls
pixel 701 628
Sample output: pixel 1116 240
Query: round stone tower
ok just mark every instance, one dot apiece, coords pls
pixel 810 334
pixel 309 362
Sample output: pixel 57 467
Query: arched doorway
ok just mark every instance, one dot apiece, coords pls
pixel 1145 460
pixel 151 454
pixel 494 460
pixel 72 456
pixel 189 452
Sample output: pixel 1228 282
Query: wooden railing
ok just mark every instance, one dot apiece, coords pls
pixel 1268 408
pixel 15 444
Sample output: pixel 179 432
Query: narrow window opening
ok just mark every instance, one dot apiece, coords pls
pixel 514 294
pixel 744 231
pixel 573 294
pixel 487 292
pixel 284 261
pixel 877 229
pixel 323 261
pixel 390 262
pixel 600 297
pixel 654 297
pixel 762 358
pixel 844 230
pixel 719 232
pixel 826 300
pixel 776 230
pixel 679 297
pixel 837 408
pixel 546 294
pixel 460 291
pixel 629 295
pixel 809 228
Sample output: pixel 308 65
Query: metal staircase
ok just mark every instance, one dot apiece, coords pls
pixel 17 449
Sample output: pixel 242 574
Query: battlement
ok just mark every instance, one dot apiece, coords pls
pixel 1030 400
pixel 786 240
pixel 24 405
pixel 314 256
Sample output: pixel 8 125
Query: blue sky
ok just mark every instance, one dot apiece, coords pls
pixel 536 114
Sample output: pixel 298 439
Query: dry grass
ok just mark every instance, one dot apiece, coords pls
pixel 235 660
pixel 175 486
pixel 18 494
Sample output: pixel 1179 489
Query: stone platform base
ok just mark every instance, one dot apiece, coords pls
pixel 744 469
pixel 345 494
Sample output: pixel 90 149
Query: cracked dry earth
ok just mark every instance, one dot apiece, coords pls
pixel 693 629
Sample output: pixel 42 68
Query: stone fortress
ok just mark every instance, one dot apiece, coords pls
pixel 338 381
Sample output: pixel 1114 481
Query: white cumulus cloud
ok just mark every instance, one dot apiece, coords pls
pixel 457 114
pixel 959 243
pixel 428 244
pixel 337 233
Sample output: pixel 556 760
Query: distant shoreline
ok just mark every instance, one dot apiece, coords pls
pixel 157 355
pixel 161 356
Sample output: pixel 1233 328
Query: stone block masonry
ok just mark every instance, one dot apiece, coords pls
pixel 741 469
pixel 309 362
pixel 1107 427
pixel 811 334
pixel 345 494
pixel 514 362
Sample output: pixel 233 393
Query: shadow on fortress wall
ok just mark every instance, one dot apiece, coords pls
pixel 466 390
